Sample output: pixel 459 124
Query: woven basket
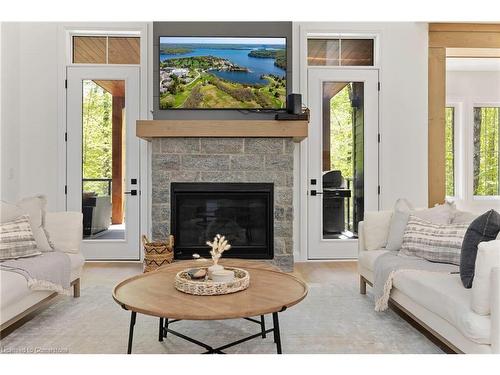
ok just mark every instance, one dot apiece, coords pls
pixel 207 287
pixel 156 254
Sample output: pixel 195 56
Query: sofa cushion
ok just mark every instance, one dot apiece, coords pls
pixel 65 230
pixel 367 258
pixel 439 214
pixel 444 295
pixel 488 257
pixel 376 229
pixel 16 239
pixel 34 207
pixel 14 286
pixel 484 228
pixel 434 242
pixel 399 219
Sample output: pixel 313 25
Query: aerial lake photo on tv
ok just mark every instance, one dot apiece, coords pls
pixel 222 73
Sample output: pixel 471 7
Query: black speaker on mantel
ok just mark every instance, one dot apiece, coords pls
pixel 294 104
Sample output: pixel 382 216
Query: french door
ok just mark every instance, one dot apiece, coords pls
pixel 103 159
pixel 342 158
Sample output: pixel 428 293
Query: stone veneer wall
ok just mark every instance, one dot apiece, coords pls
pixel 227 160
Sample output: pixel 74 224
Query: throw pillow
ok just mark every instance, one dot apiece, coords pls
pixel 484 228
pixel 439 214
pixel 435 242
pixel 34 207
pixel 16 239
pixel 462 217
pixel 399 219
pixel 488 257
pixel 376 229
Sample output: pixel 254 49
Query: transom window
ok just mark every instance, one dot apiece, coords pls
pixel 340 52
pixel 106 50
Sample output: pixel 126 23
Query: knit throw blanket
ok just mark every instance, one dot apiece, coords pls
pixel 389 264
pixel 49 271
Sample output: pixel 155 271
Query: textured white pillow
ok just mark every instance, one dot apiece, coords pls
pixel 65 229
pixel 399 219
pixel 34 207
pixel 439 214
pixel 488 257
pixel 376 229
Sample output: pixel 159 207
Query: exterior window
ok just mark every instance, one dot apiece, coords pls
pixel 106 50
pixel 485 159
pixel 449 149
pixel 340 52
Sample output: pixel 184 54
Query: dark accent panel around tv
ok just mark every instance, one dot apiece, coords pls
pixel 216 29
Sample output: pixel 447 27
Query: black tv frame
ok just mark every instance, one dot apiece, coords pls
pixel 254 110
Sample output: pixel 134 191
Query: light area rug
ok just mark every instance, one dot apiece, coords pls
pixel 334 318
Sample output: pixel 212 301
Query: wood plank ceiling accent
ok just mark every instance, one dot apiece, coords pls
pixel 441 37
pixel 124 50
pixel 106 50
pixel 89 49
pixel 114 87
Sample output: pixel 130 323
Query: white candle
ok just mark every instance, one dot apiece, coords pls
pixel 223 276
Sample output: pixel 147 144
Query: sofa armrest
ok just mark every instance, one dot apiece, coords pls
pixel 65 230
pixel 361 237
pixel 495 310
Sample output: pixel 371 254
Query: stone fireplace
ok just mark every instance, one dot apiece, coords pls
pixel 229 163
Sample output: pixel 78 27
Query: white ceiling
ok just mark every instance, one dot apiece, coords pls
pixel 469 64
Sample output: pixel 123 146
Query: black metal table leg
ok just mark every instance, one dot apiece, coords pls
pixel 160 331
pixel 263 326
pixel 276 331
pixel 131 331
pixel 165 331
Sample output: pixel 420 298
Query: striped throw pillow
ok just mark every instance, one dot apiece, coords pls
pixel 16 239
pixel 435 242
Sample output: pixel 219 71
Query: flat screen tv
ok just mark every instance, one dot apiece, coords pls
pixel 222 73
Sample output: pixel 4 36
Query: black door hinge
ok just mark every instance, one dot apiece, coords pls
pixel 66 137
pixel 65 83
pixel 378 86
pixel 378 190
pixel 66 189
pixel 378 137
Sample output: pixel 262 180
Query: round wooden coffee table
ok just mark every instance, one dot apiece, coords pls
pixel 154 294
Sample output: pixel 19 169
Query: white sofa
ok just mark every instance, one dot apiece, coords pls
pixel 16 299
pixel 439 303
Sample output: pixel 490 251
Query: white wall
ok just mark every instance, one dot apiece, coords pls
pixel 466 89
pixel 30 111
pixel 403 103
pixel 9 109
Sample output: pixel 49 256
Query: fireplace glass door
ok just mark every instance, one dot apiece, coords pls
pixel 241 212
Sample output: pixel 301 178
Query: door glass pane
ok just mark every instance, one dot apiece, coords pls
pixel 449 149
pixel 103 153
pixel 486 158
pixel 343 159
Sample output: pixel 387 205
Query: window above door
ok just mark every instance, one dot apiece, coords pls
pixel 340 52
pixel 105 49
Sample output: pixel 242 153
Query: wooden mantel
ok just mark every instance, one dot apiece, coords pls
pixel 148 129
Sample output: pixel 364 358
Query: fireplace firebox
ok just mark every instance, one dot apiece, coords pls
pixel 243 212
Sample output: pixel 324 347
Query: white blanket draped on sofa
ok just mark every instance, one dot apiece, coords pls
pixel 387 265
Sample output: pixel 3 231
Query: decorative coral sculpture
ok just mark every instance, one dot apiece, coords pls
pixel 218 245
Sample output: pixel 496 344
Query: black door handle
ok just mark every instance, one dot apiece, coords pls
pixel 314 193
pixel 131 192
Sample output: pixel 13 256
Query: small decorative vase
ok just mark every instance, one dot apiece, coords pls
pixel 214 268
